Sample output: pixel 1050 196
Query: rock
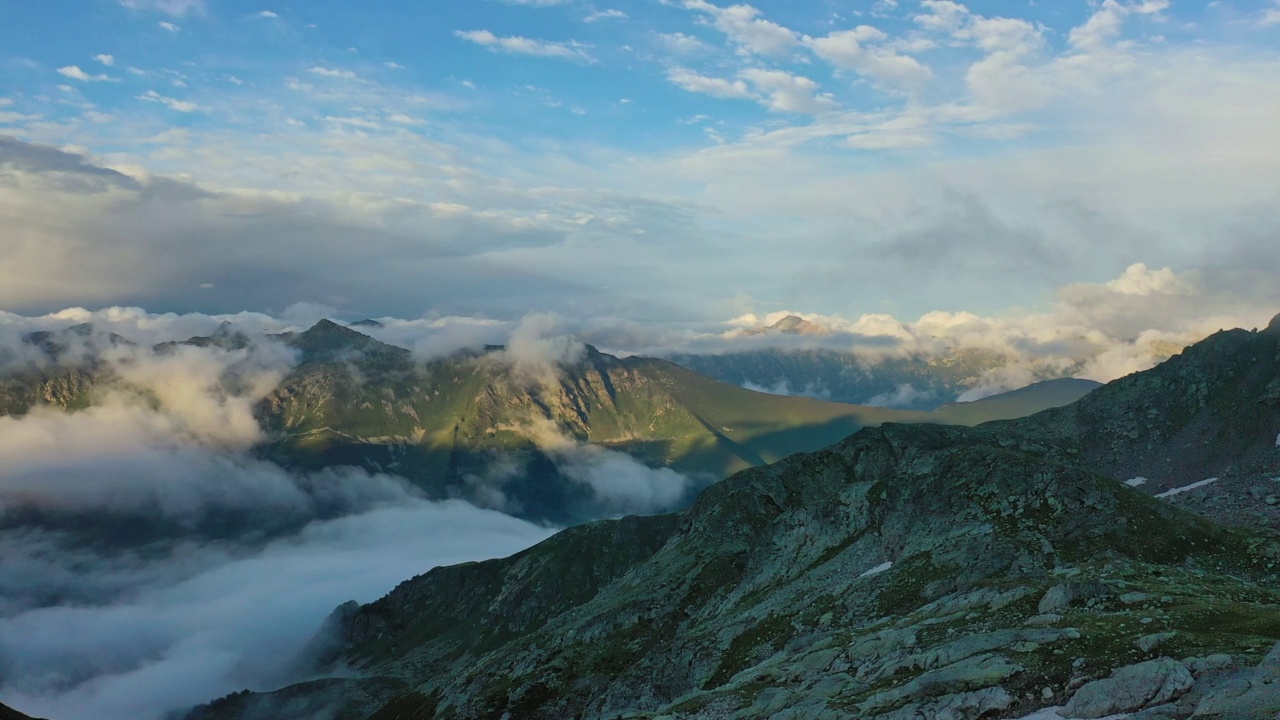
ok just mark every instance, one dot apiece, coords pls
pixel 960 706
pixel 1160 712
pixel 1147 643
pixel 1060 597
pixel 975 673
pixel 1057 598
pixel 1045 619
pixel 1212 663
pixel 1132 598
pixel 1131 688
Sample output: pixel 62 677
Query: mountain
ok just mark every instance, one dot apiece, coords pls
pixel 914 382
pixel 909 571
pixel 442 424
pixel 791 325
pixel 1017 403
pixel 449 425
pixel 58 368
pixel 8 713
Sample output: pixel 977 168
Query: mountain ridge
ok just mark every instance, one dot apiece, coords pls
pixel 908 571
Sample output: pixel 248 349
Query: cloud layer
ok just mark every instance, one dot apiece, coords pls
pixel 150 562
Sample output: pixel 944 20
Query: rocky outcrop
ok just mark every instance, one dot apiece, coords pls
pixel 1132 688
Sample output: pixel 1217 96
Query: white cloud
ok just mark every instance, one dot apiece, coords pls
pixel 848 49
pixel 332 72
pixel 715 87
pixel 356 122
pixel 75 73
pixel 174 104
pixel 176 8
pixel 166 25
pixel 682 44
pixel 746 28
pixel 517 45
pixel 610 14
pixel 267 14
pixel 1270 16
pixel 107 60
pixel 789 93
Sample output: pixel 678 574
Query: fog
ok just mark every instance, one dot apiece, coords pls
pixel 151 562
pixel 179 623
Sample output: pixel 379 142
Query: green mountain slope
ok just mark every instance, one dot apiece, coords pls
pixel 910 571
pixel 353 400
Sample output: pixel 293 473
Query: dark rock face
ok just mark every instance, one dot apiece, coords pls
pixel 1273 327
pixel 8 713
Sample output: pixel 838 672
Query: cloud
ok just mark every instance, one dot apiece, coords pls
pixel 610 14
pixel 619 483
pixel 206 570
pixel 75 73
pixel 848 49
pixel 715 87
pixel 745 27
pixel 332 73
pixel 166 25
pixel 539 346
pixel 682 44
pixel 107 60
pixel 790 93
pixel 176 8
pixel 174 224
pixel 174 104
pixel 198 622
pixel 903 396
pixel 267 14
pixel 517 45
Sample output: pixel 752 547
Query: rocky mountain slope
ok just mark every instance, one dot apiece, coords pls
pixel 907 572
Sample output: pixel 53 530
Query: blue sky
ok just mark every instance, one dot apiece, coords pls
pixel 655 158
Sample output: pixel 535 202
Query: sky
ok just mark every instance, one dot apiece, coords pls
pixel 659 160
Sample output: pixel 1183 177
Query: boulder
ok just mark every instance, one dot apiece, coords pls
pixel 1132 688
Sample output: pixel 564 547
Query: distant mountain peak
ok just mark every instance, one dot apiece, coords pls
pixel 367 322
pixel 328 326
pixel 792 325
pixel 328 341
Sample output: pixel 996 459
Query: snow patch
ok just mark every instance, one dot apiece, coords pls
pixel 1277 439
pixel 1185 488
pixel 1135 482
pixel 877 569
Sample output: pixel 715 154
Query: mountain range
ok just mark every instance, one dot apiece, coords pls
pixel 446 423
pixel 911 381
pixel 908 571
